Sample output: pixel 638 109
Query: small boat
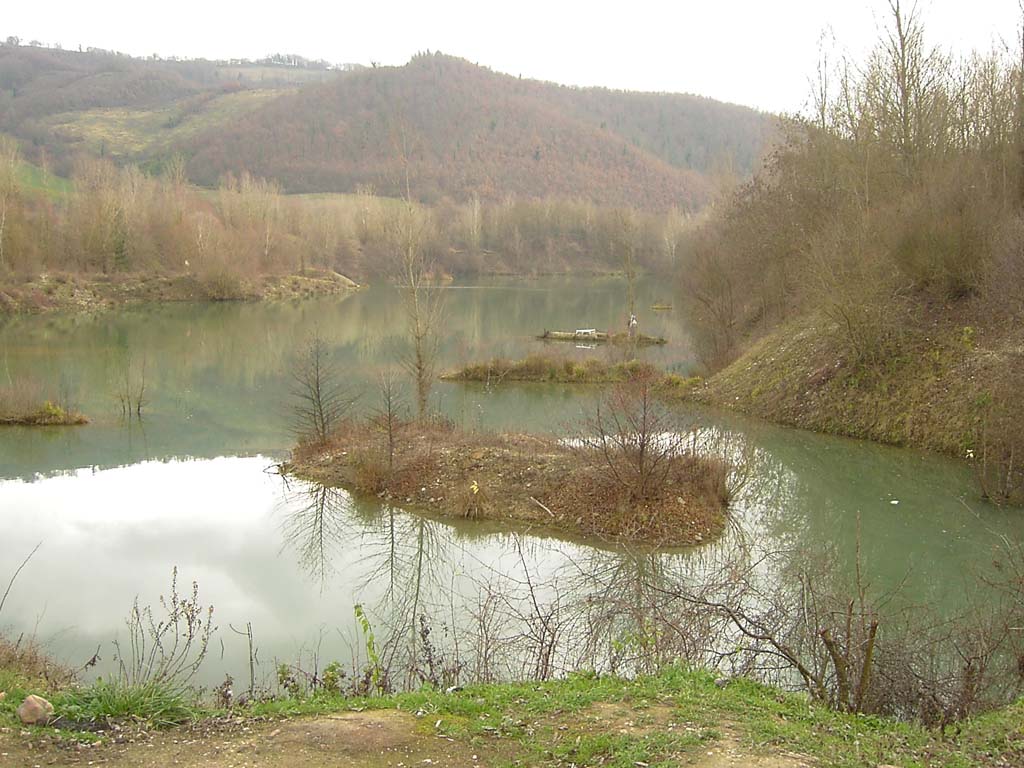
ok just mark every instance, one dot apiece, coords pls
pixel 661 307
pixel 592 335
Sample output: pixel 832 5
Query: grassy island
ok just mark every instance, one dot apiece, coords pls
pixel 553 369
pixel 23 406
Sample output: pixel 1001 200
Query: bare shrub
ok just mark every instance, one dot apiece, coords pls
pixel 633 438
pixel 370 469
pixel 642 474
pixel 999 459
pixel 165 647
pixel 1004 289
pixel 389 417
pixel 713 282
pixel 23 656
pixel 130 387
pixel 221 283
pixel 787 620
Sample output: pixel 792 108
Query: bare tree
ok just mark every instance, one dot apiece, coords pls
pixel 628 233
pixel 131 388
pixel 320 399
pixel 415 274
pixel 8 188
pixel 389 415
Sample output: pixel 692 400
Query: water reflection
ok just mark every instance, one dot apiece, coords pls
pixel 315 526
pixel 118 504
pixel 293 559
pixel 217 374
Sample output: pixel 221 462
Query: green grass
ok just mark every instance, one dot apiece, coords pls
pixel 552 723
pixel 658 720
pixel 155 703
pixel 33 179
pixel 125 133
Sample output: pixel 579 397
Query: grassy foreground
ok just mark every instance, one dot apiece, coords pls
pixel 677 717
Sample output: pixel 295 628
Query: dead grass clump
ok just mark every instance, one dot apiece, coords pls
pixel 689 506
pixel 370 473
pixel 470 501
pixel 24 663
pixel 19 398
pixel 552 369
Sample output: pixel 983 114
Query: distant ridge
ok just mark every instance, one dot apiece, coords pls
pixel 467 130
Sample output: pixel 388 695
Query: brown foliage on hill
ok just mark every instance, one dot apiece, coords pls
pixel 471 131
pixel 476 132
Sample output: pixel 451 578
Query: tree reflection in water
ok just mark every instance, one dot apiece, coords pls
pixel 458 603
pixel 317 523
pixel 540 608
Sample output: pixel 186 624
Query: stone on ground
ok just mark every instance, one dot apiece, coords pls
pixel 35 710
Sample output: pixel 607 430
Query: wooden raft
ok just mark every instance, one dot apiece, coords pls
pixel 602 337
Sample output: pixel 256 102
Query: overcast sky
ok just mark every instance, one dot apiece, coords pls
pixel 747 51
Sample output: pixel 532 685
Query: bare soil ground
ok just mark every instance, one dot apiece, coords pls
pixel 355 739
pixel 376 739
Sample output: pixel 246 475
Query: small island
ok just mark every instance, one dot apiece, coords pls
pixel 20 409
pixel 554 369
pixel 608 486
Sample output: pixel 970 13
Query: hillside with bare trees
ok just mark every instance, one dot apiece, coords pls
pixel 469 131
pixel 871 281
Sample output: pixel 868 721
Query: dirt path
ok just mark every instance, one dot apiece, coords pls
pixel 728 752
pixel 356 740
pixel 375 739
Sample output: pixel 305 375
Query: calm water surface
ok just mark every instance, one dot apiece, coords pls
pixel 117 506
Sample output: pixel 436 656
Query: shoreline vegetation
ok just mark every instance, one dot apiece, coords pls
pixel 939 394
pixel 46 415
pixel 936 397
pixel 57 292
pixel 671 717
pixel 523 479
pixel 869 280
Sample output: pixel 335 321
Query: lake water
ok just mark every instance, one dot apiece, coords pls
pixel 117 504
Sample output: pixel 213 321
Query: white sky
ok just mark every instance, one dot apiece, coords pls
pixel 753 52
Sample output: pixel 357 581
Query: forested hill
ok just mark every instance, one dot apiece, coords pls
pixel 466 130
pixel 38 83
